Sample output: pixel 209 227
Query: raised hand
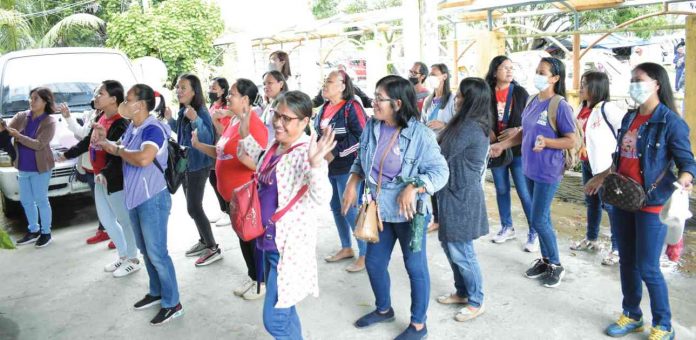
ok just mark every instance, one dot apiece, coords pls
pixel 64 110
pixel 190 113
pixel 168 113
pixel 318 149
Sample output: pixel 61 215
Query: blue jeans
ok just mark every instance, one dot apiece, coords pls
pixel 149 221
pixel 501 179
pixel 640 236
pixel 281 323
pixel 467 274
pixel 33 193
pixel 344 224
pixel 377 262
pixel 542 197
pixel 594 209
pixel 111 208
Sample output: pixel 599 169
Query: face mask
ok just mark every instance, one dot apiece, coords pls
pixel 413 80
pixel 641 91
pixel 213 96
pixel 126 110
pixel 541 82
pixel 271 67
pixel 434 82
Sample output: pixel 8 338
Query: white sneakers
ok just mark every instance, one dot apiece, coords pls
pixel 123 267
pixel 223 221
pixel 248 290
pixel 506 233
pixel 246 285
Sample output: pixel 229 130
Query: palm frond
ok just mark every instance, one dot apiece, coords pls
pixel 72 21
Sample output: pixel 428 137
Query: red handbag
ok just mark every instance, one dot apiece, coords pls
pixel 245 207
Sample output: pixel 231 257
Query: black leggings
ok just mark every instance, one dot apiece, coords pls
pixel 213 181
pixel 194 187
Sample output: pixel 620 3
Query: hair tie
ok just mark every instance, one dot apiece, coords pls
pixel 157 94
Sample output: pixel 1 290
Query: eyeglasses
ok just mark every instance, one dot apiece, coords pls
pixel 413 73
pixel 327 81
pixel 379 99
pixel 285 120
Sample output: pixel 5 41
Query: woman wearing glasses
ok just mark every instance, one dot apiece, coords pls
pixel 235 168
pixel 346 117
pixel 397 148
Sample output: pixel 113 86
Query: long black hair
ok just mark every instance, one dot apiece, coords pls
pixel 114 89
pixel 398 88
pixel 495 63
pixel 446 92
pixel 475 106
pixel 198 98
pixel 225 86
pixel 557 69
pixel 597 87
pixel 247 88
pixel 658 73
pixel 47 96
pixel 348 92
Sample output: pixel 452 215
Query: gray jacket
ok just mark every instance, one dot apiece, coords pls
pixel 461 203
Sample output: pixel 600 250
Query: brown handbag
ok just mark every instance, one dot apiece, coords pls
pixel 368 224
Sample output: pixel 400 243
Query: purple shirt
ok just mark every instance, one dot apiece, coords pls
pixel 26 156
pixel 392 163
pixel 268 197
pixel 545 166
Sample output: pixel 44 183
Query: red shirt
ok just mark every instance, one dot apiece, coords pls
pixel 329 113
pixel 231 173
pixel 629 161
pixel 583 117
pixel 97 156
pixel 501 99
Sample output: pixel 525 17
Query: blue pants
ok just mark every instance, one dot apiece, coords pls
pixel 542 197
pixel 377 262
pixel 111 208
pixel 281 323
pixel 594 209
pixel 344 224
pixel 33 193
pixel 467 274
pixel 640 236
pixel 501 179
pixel 149 221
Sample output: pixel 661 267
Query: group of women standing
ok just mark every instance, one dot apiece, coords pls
pixel 411 160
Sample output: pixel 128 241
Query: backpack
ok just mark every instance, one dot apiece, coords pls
pixel 571 156
pixel 176 164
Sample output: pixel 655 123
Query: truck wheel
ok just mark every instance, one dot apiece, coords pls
pixel 11 208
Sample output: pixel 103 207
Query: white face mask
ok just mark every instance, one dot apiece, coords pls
pixel 271 67
pixel 541 82
pixel 641 91
pixel 434 82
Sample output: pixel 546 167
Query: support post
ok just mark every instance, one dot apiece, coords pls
pixel 489 44
pixel 577 72
pixel 689 109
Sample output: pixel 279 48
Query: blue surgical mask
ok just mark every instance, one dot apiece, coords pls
pixel 641 91
pixel 541 82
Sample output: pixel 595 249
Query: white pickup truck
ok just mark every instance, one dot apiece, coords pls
pixel 72 74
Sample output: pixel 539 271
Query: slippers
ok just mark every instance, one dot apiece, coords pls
pixel 466 314
pixel 452 299
pixel 354 268
pixel 335 258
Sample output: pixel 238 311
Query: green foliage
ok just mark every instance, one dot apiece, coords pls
pixel 178 32
pixel 612 17
pixel 322 9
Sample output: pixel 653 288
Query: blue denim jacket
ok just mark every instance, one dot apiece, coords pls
pixel 420 157
pixel 662 141
pixel 184 127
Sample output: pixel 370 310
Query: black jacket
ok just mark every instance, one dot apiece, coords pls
pixel 519 102
pixel 348 126
pixel 113 170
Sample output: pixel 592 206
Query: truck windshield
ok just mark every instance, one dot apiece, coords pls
pixel 72 78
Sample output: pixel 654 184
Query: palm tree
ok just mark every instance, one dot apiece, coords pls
pixel 26 24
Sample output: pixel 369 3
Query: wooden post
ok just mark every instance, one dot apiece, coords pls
pixel 572 95
pixel 489 45
pixel 455 70
pixel 690 84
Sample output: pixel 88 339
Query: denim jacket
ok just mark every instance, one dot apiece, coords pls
pixel 184 127
pixel 420 157
pixel 662 142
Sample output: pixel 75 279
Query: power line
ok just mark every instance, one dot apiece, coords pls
pixel 55 10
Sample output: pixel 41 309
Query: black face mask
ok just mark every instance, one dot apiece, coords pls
pixel 213 96
pixel 413 80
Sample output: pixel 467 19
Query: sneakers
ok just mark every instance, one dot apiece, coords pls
pixel 209 256
pixel 28 238
pixel 43 240
pixel 111 267
pixel 215 217
pixel 585 244
pixel 246 285
pixel 538 269
pixel 251 294
pixel 167 314
pixel 506 233
pixel 412 334
pixel 223 221
pixel 611 259
pixel 196 249
pixel 147 301
pixel 127 268
pixel 660 333
pixel 100 236
pixel 111 245
pixel 532 244
pixel 451 299
pixel 375 317
pixel 554 276
pixel 466 314
pixel 624 326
